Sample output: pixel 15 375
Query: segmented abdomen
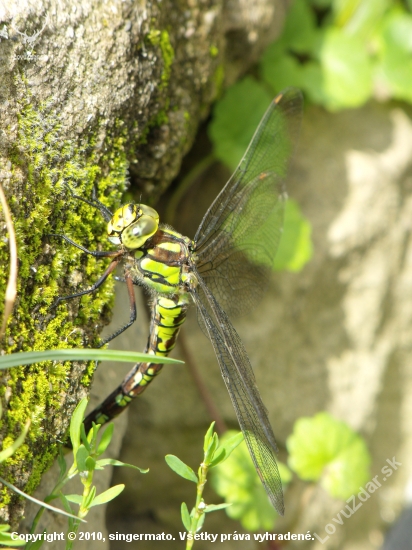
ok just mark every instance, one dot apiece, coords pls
pixel 168 315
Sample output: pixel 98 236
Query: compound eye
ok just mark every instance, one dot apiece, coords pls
pixel 122 218
pixel 131 212
pixel 149 211
pixel 139 232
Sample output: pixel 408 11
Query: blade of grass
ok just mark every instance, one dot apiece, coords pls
pixel 26 358
pixel 39 502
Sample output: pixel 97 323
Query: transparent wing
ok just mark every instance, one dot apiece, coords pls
pixel 240 382
pixel 237 240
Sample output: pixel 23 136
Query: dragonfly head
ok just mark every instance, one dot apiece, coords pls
pixel 132 225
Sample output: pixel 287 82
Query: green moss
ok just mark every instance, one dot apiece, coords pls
pixel 157 120
pixel 168 57
pixel 153 36
pixel 161 39
pixel 44 205
pixel 219 78
pixel 214 51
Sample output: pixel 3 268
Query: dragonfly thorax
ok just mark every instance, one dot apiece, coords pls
pixel 132 225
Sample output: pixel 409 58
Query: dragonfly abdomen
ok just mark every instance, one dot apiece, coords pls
pixel 168 315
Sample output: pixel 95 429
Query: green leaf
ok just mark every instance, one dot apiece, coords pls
pixel 65 502
pixel 346 70
pixel 82 455
pixel 281 69
pixel 90 464
pixel 350 470
pixel 295 247
pixel 237 482
pixel 226 448
pixel 76 499
pixel 312 82
pixel 324 449
pixel 5 538
pixel 360 19
pixel 200 522
pixel 208 437
pixel 76 423
pixel 186 519
pixel 219 456
pixel 105 439
pixel 86 438
pixel 181 468
pixel 113 462
pixel 395 67
pixel 87 503
pixel 300 33
pixel 235 119
pixel 9 451
pixel 212 448
pixel 26 358
pixel 108 495
pixel 214 507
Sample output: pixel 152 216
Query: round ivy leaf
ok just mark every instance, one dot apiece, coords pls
pixel 346 70
pixel 395 67
pixel 324 449
pixel 295 247
pixel 235 119
pixel 236 481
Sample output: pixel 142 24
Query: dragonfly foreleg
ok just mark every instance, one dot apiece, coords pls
pixel 94 287
pixel 95 253
pixel 132 301
pixel 106 213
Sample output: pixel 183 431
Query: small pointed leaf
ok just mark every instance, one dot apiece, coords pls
pixel 90 464
pixel 214 507
pixel 181 468
pixel 113 462
pixel 227 447
pixel 105 439
pixel 76 499
pixel 81 456
pixel 208 436
pixel 186 520
pixel 88 502
pixel 76 423
pixel 108 495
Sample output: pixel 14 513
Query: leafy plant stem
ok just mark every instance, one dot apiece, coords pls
pixel 200 505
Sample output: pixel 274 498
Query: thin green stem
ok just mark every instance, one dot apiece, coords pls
pixel 199 506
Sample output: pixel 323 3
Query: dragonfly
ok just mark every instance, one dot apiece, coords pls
pixel 223 271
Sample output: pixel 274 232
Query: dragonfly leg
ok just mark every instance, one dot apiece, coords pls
pixel 132 301
pixel 95 253
pixel 107 215
pixel 95 286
